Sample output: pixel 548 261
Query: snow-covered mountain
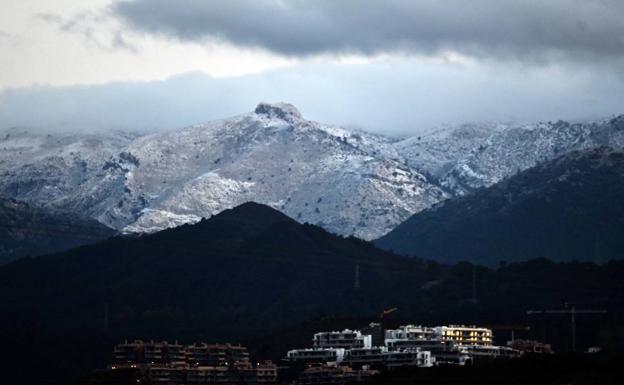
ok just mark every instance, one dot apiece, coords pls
pixel 59 170
pixel 462 159
pixel 351 183
pixel 569 208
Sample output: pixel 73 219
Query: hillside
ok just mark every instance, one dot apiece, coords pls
pixel 250 271
pixel 461 159
pixel 567 209
pixel 251 267
pixel 348 182
pixel 27 230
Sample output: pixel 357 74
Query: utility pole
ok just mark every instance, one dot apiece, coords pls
pixel 106 316
pixel 597 250
pixel 474 284
pixel 570 309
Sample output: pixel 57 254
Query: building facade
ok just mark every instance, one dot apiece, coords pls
pixel 197 364
pixel 465 335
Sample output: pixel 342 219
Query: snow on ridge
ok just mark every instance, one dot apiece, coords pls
pixel 152 221
pixel 347 181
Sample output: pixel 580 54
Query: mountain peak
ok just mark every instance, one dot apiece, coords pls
pixel 244 221
pixel 283 111
pixel 255 212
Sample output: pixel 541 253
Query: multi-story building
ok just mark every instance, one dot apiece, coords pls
pixel 204 354
pixel 265 373
pixel 128 352
pixel 465 335
pixel 333 375
pixel 433 344
pixel 316 355
pixel 203 375
pixel 409 357
pixel 408 345
pixel 346 339
pixel 411 332
pixel 143 352
pixel 478 352
pixel 164 374
pixel 425 339
pixel 205 364
pixel 366 356
pixel 376 331
pixel 382 356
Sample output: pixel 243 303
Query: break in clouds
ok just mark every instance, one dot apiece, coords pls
pixel 529 30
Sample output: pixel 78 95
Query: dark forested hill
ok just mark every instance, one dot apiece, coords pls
pixel 571 208
pixel 27 230
pixel 247 268
pixel 250 271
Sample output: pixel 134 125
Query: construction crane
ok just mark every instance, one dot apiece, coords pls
pixel 513 329
pixel 387 312
pixel 570 309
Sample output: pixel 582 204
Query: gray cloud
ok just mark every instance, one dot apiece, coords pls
pixel 87 25
pixel 395 97
pixel 49 17
pixel 527 30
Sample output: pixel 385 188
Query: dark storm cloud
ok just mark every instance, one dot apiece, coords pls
pixel 528 29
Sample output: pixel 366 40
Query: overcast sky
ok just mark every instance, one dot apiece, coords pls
pixel 393 66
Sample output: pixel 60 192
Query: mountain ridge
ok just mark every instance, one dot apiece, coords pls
pixel 349 182
pixel 239 275
pixel 32 231
pixel 566 208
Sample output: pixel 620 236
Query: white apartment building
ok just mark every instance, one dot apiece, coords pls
pixel 346 339
pixel 411 332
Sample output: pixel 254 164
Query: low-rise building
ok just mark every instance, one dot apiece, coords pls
pixel 465 335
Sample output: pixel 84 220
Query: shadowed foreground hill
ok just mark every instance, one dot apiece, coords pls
pixel 246 269
pixel 571 208
pixel 27 230
pixel 250 271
